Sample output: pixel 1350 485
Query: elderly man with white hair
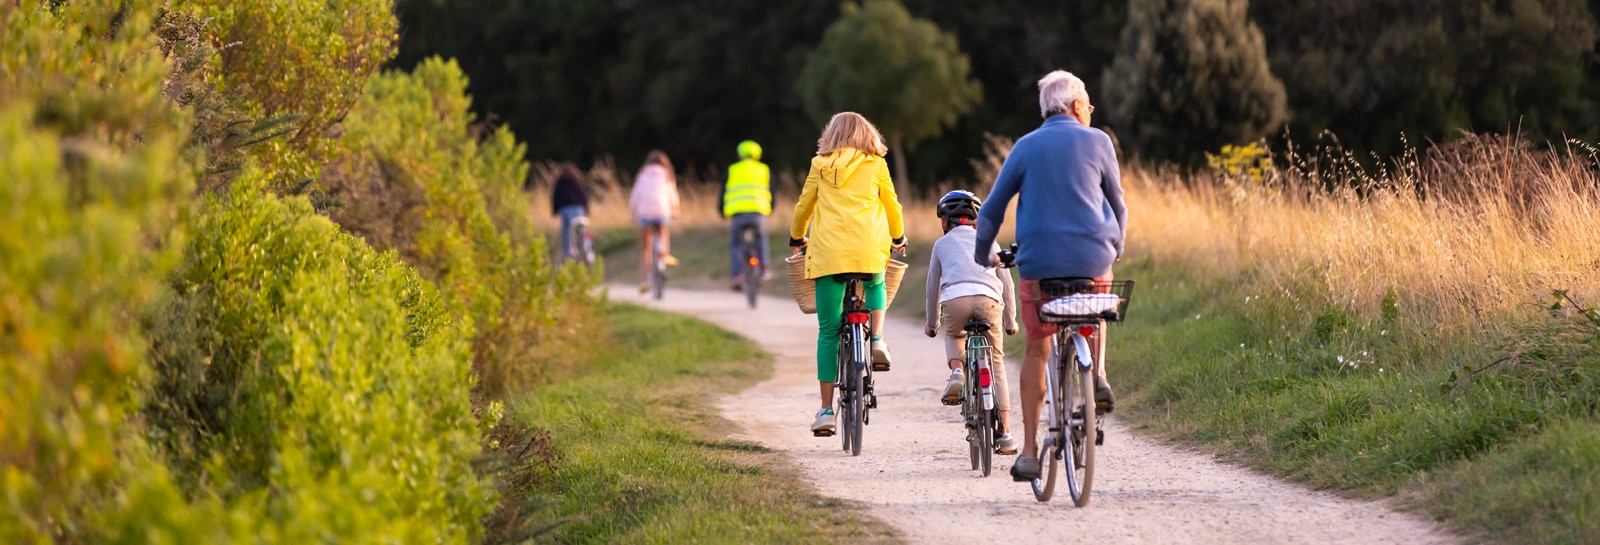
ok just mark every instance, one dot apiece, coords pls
pixel 1070 224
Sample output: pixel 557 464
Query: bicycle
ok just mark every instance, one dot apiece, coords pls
pixel 1081 307
pixel 658 265
pixel 580 242
pixel 978 410
pixel 856 397
pixel 750 255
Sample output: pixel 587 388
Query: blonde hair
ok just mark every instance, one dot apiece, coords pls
pixel 850 130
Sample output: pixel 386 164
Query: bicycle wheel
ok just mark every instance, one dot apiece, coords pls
pixel 843 415
pixel 1050 450
pixel 969 414
pixel 1080 435
pixel 752 267
pixel 985 441
pixel 658 274
pixel 859 397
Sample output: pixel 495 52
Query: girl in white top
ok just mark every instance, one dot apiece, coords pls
pixel 654 203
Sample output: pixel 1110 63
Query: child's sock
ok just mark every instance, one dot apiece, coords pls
pixel 877 338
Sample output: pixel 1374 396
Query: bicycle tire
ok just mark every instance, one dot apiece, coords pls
pixel 985 438
pixel 1079 458
pixel 658 275
pixel 1083 441
pixel 857 401
pixel 752 272
pixel 1050 452
pixel 844 414
pixel 969 392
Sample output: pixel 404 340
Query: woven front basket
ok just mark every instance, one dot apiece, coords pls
pixel 805 291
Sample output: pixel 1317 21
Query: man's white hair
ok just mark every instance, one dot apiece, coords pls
pixel 1058 90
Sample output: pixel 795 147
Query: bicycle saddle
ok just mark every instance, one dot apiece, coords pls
pixel 978 325
pixel 846 277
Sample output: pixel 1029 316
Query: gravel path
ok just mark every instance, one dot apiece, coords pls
pixel 913 473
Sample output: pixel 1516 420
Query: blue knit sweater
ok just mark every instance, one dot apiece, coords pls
pixel 1070 216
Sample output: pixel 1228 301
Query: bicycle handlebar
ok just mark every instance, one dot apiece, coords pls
pixel 1008 257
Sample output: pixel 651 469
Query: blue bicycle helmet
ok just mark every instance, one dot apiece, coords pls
pixel 959 204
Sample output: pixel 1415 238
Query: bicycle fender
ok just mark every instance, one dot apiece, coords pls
pixel 1085 362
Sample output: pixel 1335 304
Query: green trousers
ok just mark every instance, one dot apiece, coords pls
pixel 830 313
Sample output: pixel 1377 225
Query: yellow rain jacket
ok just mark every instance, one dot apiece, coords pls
pixel 850 205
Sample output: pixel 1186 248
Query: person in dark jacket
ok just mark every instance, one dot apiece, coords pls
pixel 569 200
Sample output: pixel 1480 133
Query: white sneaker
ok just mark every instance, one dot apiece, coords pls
pixel 1007 444
pixel 880 355
pixel 952 387
pixel 824 421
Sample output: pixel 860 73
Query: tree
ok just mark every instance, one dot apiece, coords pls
pixel 1368 70
pixel 904 74
pixel 1191 76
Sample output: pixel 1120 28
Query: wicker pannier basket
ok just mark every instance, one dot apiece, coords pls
pixel 805 291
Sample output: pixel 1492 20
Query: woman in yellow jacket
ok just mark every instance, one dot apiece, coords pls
pixel 850 206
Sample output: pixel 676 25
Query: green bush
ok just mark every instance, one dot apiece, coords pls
pixel 300 60
pixel 93 175
pixel 314 380
pixel 421 182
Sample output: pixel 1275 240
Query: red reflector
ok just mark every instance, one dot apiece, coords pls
pixel 858 318
pixel 983 378
pixel 754 261
pixel 1086 330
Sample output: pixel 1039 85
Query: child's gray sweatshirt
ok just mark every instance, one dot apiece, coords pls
pixel 952 274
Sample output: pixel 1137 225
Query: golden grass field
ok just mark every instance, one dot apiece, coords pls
pixel 1480 227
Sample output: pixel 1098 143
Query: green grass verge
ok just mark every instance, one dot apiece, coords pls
pixel 1370 405
pixel 643 457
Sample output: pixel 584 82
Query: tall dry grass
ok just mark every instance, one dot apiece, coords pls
pixel 1480 228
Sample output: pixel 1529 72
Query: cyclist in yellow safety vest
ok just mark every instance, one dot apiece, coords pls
pixel 747 201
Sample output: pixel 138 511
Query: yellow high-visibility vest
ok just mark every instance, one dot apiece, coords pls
pixel 749 189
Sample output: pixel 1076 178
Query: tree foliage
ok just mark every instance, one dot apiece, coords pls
pixel 904 74
pixel 1369 70
pixel 1190 75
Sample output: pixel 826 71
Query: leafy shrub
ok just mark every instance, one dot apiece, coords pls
pixel 422 183
pixel 310 378
pixel 90 178
pixel 300 60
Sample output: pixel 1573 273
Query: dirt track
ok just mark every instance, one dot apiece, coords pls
pixel 913 473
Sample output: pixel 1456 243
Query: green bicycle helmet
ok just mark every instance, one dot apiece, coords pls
pixel 750 149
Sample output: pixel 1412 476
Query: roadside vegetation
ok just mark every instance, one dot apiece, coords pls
pixel 1427 332
pixel 639 454
pixel 251 289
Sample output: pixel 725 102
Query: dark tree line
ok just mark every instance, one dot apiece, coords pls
pixel 583 79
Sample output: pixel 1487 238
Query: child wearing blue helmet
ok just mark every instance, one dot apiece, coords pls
pixel 959 290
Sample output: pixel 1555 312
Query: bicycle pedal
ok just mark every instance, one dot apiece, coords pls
pixel 880 367
pixel 950 400
pixel 872 401
pixel 1099 437
pixel 822 433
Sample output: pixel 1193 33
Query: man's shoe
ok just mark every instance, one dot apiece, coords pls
pixel 1007 444
pixel 880 355
pixel 766 274
pixel 1025 469
pixel 1103 400
pixel 738 283
pixel 952 388
pixel 823 425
